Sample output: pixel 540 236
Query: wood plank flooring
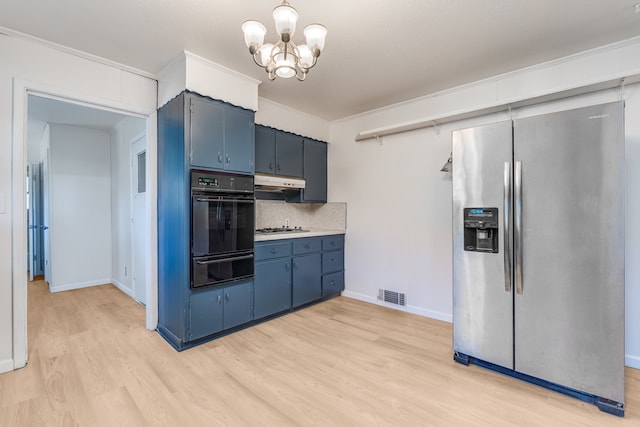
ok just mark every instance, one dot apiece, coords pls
pixel 339 363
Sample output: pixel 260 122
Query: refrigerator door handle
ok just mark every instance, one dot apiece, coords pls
pixel 506 212
pixel 518 224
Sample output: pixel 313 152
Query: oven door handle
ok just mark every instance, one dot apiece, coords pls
pixel 219 260
pixel 223 199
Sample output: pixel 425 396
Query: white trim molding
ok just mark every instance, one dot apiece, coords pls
pixel 21 90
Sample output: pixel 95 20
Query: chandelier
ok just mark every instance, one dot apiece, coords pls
pixel 284 58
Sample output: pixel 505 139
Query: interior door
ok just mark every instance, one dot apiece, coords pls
pixel 34 190
pixel 139 219
pixel 482 297
pixel 30 225
pixel 569 306
pixel 46 210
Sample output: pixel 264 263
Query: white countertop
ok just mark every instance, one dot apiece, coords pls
pixel 295 235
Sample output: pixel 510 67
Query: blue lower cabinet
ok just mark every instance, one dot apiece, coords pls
pixel 238 304
pixel 307 278
pixel 272 292
pixel 290 273
pixel 332 261
pixel 332 283
pixel 206 311
pixel 218 308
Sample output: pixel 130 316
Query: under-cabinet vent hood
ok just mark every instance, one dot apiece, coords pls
pixel 277 183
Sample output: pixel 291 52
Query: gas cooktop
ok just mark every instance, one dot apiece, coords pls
pixel 281 230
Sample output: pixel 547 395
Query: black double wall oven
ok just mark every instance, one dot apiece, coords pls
pixel 222 228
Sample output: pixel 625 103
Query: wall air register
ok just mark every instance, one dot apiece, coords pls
pixel 392 297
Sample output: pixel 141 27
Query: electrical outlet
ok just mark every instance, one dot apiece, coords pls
pixel 286 222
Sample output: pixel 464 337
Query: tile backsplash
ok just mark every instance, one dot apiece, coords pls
pixel 315 216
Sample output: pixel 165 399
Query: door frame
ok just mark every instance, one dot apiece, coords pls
pixel 21 91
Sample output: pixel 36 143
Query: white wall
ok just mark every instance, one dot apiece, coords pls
pixel 28 65
pixel 285 118
pixel 121 137
pixel 399 204
pixel 80 216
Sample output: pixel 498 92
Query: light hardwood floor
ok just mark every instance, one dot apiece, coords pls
pixel 338 363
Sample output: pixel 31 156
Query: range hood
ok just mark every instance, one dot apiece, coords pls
pixel 277 183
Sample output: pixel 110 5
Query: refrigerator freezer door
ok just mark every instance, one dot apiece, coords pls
pixel 482 298
pixel 569 319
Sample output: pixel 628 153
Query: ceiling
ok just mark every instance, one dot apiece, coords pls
pixel 378 52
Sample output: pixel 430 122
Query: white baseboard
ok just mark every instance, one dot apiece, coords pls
pixel 79 285
pixel 6 365
pixel 632 361
pixel 122 287
pixel 409 308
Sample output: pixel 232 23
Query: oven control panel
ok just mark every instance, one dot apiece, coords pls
pixel 221 182
pixel 207 182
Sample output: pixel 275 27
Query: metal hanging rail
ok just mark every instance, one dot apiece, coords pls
pixel 489 109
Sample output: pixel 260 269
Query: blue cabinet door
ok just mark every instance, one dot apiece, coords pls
pixel 239 140
pixel 206 313
pixel 206 133
pixel 332 283
pixel 332 261
pixel 238 304
pixel 288 154
pixel 307 278
pixel 272 291
pixel 265 150
pixel 315 171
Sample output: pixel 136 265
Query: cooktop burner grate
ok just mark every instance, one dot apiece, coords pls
pixel 281 230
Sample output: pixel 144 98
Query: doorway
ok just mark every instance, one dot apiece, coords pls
pixel 79 161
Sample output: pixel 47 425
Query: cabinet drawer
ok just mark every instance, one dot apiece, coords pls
pixel 272 250
pixel 333 242
pixel 306 245
pixel 332 261
pixel 332 283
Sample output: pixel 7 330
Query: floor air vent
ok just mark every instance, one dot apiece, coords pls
pixel 391 296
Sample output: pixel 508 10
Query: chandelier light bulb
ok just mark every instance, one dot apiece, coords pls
pixel 315 35
pixel 254 33
pixel 284 59
pixel 285 18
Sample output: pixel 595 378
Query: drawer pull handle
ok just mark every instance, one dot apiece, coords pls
pixel 219 299
pixel 286 267
pixel 273 250
pixel 333 282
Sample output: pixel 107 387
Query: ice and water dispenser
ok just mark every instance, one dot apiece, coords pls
pixel 481 229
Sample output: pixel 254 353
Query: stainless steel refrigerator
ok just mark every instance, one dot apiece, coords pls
pixel 538 250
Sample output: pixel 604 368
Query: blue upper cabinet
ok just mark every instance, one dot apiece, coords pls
pixel 289 154
pixel 315 174
pixel 221 136
pixel 265 150
pixel 206 120
pixel 239 140
pixel 278 152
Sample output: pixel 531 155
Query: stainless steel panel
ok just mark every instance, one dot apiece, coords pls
pixel 482 309
pixel 569 321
